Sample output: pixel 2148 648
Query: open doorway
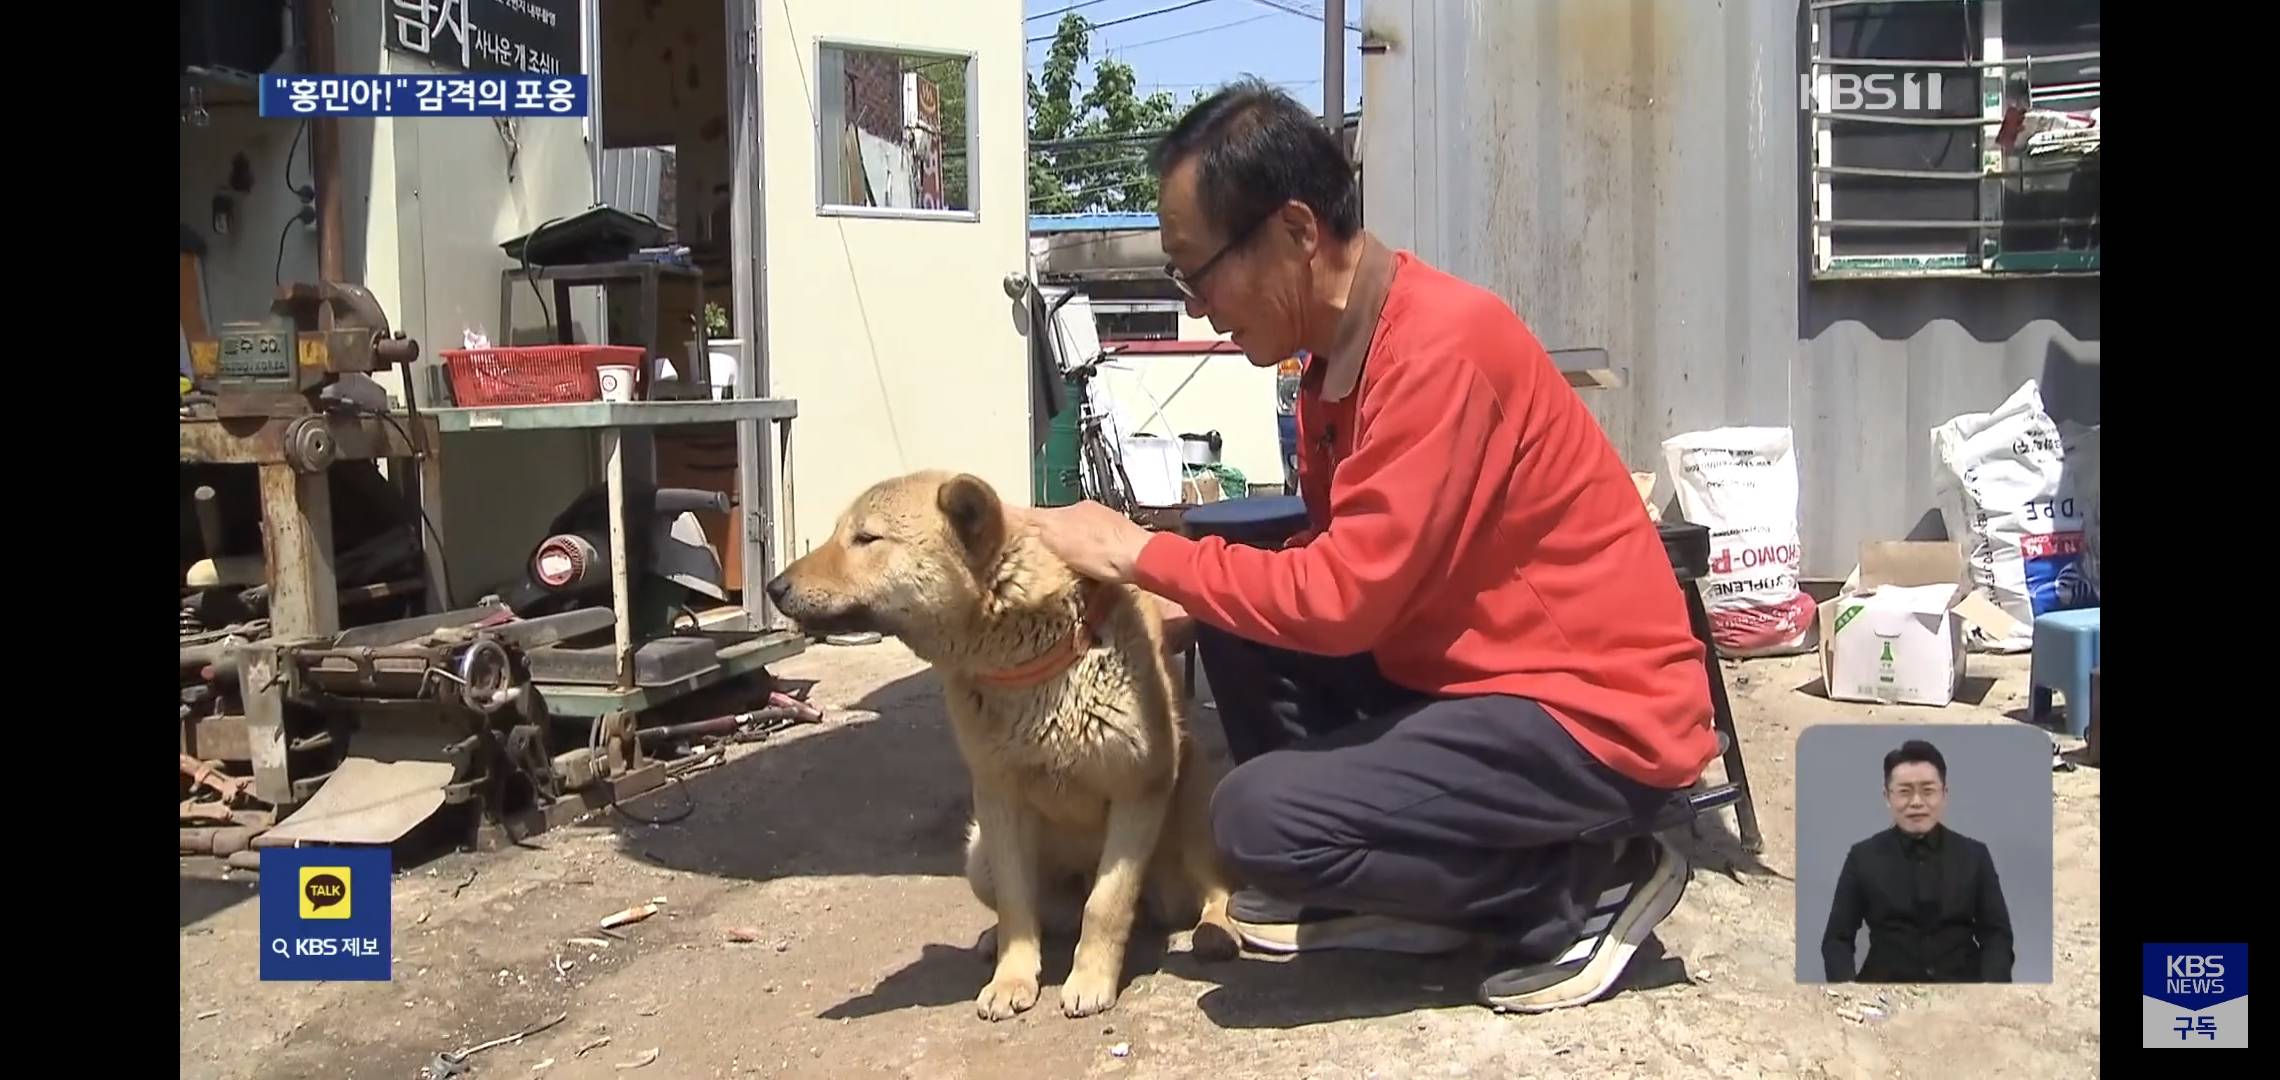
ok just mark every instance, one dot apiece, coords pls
pixel 667 154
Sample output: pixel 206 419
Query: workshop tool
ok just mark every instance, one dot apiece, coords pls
pixel 373 738
pixel 752 726
pixel 292 363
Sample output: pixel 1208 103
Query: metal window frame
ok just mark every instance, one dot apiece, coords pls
pixel 1993 67
pixel 825 207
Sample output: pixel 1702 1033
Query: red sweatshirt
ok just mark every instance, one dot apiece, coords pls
pixel 1472 527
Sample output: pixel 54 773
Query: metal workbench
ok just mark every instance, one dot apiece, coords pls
pixel 618 423
pixel 296 506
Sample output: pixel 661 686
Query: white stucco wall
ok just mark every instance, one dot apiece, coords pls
pixel 895 335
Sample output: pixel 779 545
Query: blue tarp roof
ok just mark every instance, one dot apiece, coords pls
pixel 1060 223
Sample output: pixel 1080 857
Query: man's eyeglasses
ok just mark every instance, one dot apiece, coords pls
pixel 1191 284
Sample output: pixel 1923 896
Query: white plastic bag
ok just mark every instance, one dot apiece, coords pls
pixel 2000 478
pixel 1741 483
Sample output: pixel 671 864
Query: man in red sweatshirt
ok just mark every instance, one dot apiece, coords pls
pixel 1475 655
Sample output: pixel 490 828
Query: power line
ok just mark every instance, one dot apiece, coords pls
pixel 1084 192
pixel 1288 8
pixel 1222 82
pixel 1061 11
pixel 1099 140
pixel 1113 50
pixel 1131 18
pixel 1118 162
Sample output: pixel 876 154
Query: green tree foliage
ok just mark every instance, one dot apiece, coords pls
pixel 1108 171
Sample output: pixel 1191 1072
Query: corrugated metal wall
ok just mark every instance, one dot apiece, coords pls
pixel 1628 176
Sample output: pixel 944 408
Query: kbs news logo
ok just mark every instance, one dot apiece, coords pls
pixel 1882 91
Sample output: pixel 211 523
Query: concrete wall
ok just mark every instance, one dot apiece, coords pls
pixel 1627 176
pixel 428 201
pixel 895 334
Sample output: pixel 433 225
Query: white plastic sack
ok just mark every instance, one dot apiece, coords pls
pixel 2001 478
pixel 1741 483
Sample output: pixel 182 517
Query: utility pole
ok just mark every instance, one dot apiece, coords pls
pixel 1334 68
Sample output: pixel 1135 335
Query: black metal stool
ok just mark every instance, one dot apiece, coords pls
pixel 1688 546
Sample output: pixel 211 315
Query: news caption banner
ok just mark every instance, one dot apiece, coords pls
pixel 2196 995
pixel 304 96
pixel 325 914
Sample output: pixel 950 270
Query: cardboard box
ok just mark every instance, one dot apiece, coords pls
pixel 1197 488
pixel 1896 632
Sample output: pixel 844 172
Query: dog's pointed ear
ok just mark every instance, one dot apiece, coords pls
pixel 976 516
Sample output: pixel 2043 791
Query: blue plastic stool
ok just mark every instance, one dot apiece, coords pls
pixel 1261 521
pixel 2066 651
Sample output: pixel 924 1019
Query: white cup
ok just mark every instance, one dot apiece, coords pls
pixel 617 381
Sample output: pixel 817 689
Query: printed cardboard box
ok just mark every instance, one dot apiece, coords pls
pixel 1896 632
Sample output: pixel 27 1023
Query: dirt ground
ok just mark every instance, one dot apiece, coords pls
pixel 840 845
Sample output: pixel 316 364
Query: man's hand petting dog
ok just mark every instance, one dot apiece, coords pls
pixel 1094 540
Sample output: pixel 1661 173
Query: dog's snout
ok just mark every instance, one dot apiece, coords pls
pixel 779 588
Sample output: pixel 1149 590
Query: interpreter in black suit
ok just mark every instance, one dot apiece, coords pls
pixel 1929 895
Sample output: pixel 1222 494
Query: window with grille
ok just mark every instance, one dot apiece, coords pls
pixel 1952 136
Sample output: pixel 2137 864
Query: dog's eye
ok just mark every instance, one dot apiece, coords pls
pixel 864 539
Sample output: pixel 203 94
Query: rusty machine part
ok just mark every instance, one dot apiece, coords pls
pixel 459 696
pixel 278 367
pixel 309 445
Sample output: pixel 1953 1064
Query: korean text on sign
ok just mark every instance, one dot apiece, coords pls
pixel 326 914
pixel 292 96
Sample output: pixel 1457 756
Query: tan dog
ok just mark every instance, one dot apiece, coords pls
pixel 1085 781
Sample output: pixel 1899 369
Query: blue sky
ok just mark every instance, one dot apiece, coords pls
pixel 1209 42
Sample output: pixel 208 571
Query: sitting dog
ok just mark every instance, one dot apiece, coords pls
pixel 1088 793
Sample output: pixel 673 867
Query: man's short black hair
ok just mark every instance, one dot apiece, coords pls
pixel 1915 750
pixel 1256 148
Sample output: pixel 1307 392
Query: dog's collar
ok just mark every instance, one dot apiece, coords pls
pixel 1099 601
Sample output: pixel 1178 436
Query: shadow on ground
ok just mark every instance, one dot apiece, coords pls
pixel 1246 993
pixel 869 797
pixel 1973 690
pixel 204 895
pixel 949 975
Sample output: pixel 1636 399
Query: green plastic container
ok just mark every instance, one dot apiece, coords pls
pixel 1056 477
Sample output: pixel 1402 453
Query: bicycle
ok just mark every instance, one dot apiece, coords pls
pixel 1100 463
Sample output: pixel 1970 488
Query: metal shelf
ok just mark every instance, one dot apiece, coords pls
pixel 611 419
pixel 601 415
pixel 736 661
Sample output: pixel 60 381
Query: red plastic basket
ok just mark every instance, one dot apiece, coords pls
pixel 533 374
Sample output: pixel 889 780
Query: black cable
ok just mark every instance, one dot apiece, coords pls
pixel 1128 18
pixel 442 556
pixel 524 256
pixel 278 272
pixel 1061 11
pixel 688 805
pixel 292 150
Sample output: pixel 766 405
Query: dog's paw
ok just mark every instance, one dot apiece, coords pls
pixel 1214 942
pixel 1086 993
pixel 1005 996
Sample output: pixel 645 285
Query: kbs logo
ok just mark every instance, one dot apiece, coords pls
pixel 2195 974
pixel 1879 92
pixel 2195 994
